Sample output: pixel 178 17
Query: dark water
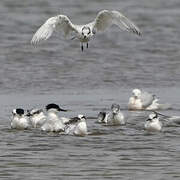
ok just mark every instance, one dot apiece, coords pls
pixel 86 83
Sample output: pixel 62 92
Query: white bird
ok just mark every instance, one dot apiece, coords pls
pixel 115 117
pixel 142 100
pixel 155 105
pixel 19 120
pixel 37 117
pixel 53 123
pixel 71 125
pixel 77 126
pixel 153 123
pixel 135 102
pixel 84 33
pixel 81 128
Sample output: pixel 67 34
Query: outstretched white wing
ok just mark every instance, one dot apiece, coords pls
pixel 106 18
pixel 57 23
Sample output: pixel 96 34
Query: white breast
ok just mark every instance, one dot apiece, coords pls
pixel 134 104
pixel 53 123
pixel 81 129
pixel 119 119
pixel 154 125
pixel 20 123
pixel 154 105
pixel 38 120
pixel 115 119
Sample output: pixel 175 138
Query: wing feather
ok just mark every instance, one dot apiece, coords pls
pixel 106 18
pixel 147 99
pixel 57 23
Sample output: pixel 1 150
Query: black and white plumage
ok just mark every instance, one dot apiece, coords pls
pixel 37 117
pixel 103 20
pixel 153 123
pixel 115 117
pixel 77 126
pixel 53 123
pixel 19 119
pixel 102 117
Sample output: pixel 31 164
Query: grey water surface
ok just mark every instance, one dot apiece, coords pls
pixel 86 83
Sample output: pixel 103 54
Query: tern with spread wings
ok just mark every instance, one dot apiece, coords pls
pixel 84 33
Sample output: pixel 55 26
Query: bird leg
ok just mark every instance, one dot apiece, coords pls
pixel 73 38
pixel 87 45
pixel 82 46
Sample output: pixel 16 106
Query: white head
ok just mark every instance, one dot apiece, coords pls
pixel 86 32
pixel 81 117
pixel 153 116
pixel 155 99
pixel 136 93
pixel 115 108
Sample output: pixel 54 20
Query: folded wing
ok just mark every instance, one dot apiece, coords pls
pixel 147 99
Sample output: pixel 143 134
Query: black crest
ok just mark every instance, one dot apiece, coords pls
pixel 52 106
pixel 20 111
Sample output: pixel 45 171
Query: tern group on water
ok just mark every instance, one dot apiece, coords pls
pixel 48 120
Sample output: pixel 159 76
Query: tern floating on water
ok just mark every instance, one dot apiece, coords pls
pixel 142 100
pixel 84 33
pixel 77 126
pixel 115 117
pixel 153 123
pixel 19 119
pixel 37 117
pixel 53 123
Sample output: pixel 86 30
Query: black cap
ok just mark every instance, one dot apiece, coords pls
pixel 20 111
pixel 54 106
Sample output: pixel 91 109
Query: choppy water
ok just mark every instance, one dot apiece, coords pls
pixel 86 83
